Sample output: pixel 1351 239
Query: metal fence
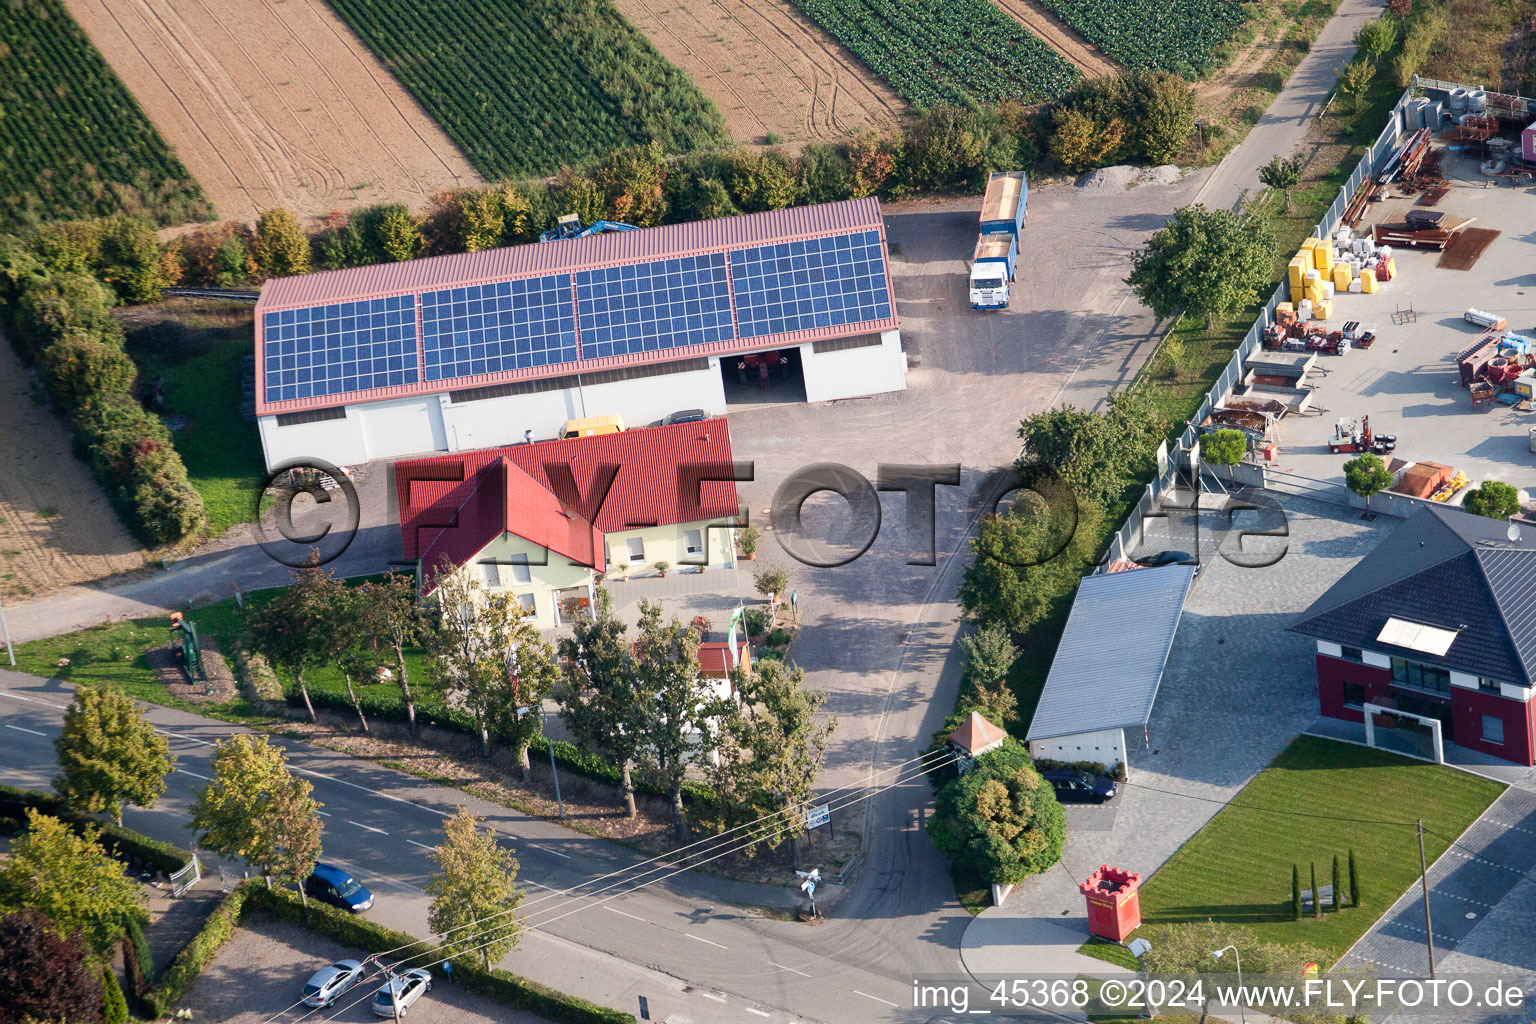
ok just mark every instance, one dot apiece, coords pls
pixel 1130 532
pixel 187 877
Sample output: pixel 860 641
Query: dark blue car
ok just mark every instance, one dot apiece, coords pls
pixel 1073 786
pixel 330 884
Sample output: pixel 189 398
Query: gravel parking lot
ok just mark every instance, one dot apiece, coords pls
pixel 263 969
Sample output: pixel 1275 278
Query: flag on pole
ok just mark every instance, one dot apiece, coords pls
pixel 730 636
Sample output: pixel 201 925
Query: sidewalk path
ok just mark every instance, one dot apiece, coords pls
pixel 1284 125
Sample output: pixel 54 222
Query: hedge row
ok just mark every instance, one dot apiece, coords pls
pixel 356 932
pixel 387 706
pixel 58 315
pixel 123 843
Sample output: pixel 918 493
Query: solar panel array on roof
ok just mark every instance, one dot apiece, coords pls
pixel 720 293
pixel 510 325
pixel 818 282
pixel 645 307
pixel 340 347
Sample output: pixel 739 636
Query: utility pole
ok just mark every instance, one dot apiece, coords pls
pixel 1429 928
pixel 550 743
pixel 10 648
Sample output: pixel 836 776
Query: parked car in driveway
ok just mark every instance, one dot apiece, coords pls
pixel 684 416
pixel 1079 787
pixel 331 884
pixel 327 983
pixel 401 992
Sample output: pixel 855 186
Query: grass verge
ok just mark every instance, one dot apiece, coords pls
pixel 1109 952
pixel 1317 799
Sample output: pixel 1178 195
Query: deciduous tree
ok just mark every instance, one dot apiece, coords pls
pixel 631 180
pixel 44 975
pixel 771 579
pixel 1206 263
pixel 255 810
pixel 72 880
pixel 471 632
pixel 282 248
pixel 602 700
pixel 474 893
pixel 1000 819
pixel 1355 80
pixel 110 754
pixel 283 628
pixel 989 655
pixel 1283 174
pixel 1027 562
pixel 1096 454
pixel 1223 447
pixel 531 674
pixel 1494 499
pixel 1375 38
pixel 1367 476
pixel 392 615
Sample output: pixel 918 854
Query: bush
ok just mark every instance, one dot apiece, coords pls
pixel 48 308
pixel 129 259
pixel 999 820
pixel 282 248
pixel 79 367
pixel 943 149
pixel 114 1005
pixel 759 182
pixel 138 962
pixel 825 173
pixel 755 621
pixel 168 507
pixel 122 843
pixel 218 929
pixel 871 163
pixel 1493 499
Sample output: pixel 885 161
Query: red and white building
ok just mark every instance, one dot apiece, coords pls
pixel 470 351
pixel 1439 621
pixel 542 521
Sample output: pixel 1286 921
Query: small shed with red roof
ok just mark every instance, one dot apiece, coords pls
pixel 545 520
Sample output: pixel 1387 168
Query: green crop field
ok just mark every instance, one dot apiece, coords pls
pixel 73 142
pixel 526 88
pixel 1183 36
pixel 946 51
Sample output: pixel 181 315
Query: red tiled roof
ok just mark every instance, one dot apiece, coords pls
pixel 977 735
pixel 450 523
pixel 712 660
pixel 630 480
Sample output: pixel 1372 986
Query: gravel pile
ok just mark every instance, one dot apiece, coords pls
pixel 1166 174
pixel 1114 178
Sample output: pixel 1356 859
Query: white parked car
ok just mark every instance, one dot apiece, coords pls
pixel 401 991
pixel 327 983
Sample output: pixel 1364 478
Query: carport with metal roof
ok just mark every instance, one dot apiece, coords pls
pixel 1109 664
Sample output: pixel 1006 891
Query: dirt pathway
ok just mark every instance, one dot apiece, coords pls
pixel 274 103
pixel 1062 38
pixel 56 527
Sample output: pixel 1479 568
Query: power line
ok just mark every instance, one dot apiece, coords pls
pixel 439 952
pixel 1231 802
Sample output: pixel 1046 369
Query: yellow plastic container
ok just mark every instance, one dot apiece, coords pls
pixel 1322 310
pixel 1311 243
pixel 1341 276
pixel 1368 282
pixel 1313 293
pixel 1322 258
pixel 1296 271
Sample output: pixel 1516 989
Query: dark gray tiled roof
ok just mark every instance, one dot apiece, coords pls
pixel 1447 568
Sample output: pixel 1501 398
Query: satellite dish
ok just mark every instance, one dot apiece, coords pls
pixel 1513 533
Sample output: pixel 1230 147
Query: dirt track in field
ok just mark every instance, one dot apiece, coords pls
pixel 274 104
pixel 56 527
pixel 768 68
pixel 1061 37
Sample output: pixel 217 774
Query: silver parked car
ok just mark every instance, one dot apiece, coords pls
pixel 402 991
pixel 327 983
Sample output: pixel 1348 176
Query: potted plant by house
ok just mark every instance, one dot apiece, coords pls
pixel 662 567
pixel 622 568
pixel 748 543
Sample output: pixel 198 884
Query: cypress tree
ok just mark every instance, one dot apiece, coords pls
pixel 1295 893
pixel 1337 899
pixel 114 1005
pixel 1354 882
pixel 1317 899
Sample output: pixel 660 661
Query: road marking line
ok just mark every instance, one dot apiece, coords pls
pixel 760 1013
pixel 30 732
pixel 616 910
pixel 877 999
pixel 189 739
pixel 711 995
pixel 205 778
pixel 546 849
pixel 370 828
pixel 791 970
pixel 324 813
pixel 424 846
pixel 365 789
pixel 34 700
pixel 711 942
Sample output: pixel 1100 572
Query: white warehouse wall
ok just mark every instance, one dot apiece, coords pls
pixel 1107 746
pixel 854 372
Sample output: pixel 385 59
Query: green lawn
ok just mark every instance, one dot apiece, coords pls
pixel 1237 869
pixel 196 347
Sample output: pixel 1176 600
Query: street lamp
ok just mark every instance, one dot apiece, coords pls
pixel 1238 958
pixel 559 803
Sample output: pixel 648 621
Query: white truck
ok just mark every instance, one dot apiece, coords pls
pixel 997 244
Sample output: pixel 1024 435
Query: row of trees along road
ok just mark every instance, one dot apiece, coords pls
pixel 641 702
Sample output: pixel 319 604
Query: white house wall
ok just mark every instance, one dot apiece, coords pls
pixel 435 423
pixel 854 372
pixel 668 544
pixel 1106 746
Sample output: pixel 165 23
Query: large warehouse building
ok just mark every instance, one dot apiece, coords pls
pixel 471 351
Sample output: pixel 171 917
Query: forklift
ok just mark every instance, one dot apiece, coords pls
pixel 1352 435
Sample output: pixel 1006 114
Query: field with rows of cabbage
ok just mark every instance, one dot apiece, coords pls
pixel 1183 36
pixel 946 50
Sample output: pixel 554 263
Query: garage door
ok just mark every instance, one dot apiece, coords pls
pixel 391 429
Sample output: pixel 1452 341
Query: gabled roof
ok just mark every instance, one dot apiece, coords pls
pixel 649 476
pixel 1110 659
pixel 713 656
pixel 451 525
pixel 1444 568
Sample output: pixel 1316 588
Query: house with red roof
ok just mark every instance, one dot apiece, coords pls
pixel 544 521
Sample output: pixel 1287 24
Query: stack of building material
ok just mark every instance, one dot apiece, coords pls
pixel 1422 479
pixel 1436 237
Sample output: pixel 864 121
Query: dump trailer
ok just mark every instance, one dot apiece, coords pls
pixel 1004 205
pixel 992 269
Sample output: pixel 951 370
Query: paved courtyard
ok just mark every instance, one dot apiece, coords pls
pixel 1407 381
pixel 1237 689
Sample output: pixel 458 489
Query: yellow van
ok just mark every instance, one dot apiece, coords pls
pixel 591 427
